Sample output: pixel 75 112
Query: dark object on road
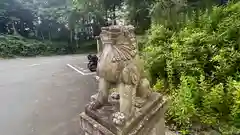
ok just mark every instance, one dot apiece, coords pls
pixel 92 64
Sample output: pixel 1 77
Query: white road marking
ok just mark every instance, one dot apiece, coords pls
pixel 34 65
pixel 75 69
pixel 45 62
pixel 93 73
pixel 81 72
pixel 86 62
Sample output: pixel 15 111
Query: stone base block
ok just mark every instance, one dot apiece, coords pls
pixel 92 127
pixel 148 120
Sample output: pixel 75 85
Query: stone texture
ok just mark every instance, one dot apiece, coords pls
pixel 92 127
pixel 148 119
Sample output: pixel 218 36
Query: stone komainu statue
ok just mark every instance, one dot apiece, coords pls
pixel 119 65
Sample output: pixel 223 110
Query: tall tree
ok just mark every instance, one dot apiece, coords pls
pixel 139 13
pixel 49 12
pixel 15 17
pixel 110 7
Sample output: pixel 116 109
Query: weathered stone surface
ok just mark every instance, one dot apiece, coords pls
pixel 104 115
pixel 147 119
pixel 92 127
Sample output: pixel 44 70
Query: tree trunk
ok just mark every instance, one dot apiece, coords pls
pixel 114 15
pixel 76 43
pixel 106 18
pixel 14 29
pixel 196 19
pixel 49 32
pixel 36 33
pixel 49 36
pixel 76 36
pixel 42 36
pixel 71 36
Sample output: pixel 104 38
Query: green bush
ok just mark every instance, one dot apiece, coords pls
pixel 200 66
pixel 12 46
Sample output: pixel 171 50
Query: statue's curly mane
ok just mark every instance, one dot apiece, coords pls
pixel 123 52
pixel 123 41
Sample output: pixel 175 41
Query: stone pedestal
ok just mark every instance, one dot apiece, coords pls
pixel 148 119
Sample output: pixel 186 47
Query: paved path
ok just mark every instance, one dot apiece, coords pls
pixel 43 95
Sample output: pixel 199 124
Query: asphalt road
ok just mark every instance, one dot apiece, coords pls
pixel 44 95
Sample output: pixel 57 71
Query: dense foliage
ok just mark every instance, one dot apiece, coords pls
pixel 46 22
pixel 11 46
pixel 199 67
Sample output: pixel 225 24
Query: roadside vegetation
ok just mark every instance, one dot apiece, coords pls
pixel 196 63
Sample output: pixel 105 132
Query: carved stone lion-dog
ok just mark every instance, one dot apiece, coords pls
pixel 120 65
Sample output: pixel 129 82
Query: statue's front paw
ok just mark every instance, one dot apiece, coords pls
pixel 115 95
pixel 95 105
pixel 119 118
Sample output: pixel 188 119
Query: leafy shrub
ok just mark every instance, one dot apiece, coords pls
pixel 11 46
pixel 184 99
pixel 199 66
pixel 157 55
pixel 141 42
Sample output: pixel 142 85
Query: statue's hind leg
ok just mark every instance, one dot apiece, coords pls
pixel 144 89
pixel 143 92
